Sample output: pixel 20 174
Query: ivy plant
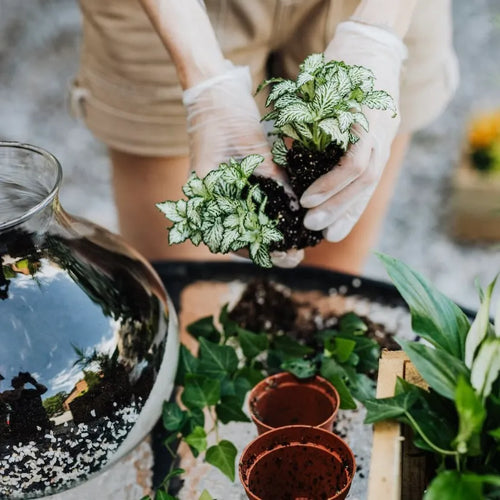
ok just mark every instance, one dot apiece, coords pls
pixel 457 417
pixel 225 211
pixel 322 105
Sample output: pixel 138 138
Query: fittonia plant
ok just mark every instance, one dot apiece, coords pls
pixel 231 209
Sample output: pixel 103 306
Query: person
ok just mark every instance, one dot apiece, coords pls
pixel 179 97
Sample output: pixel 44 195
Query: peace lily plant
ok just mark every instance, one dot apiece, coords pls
pixel 230 208
pixel 457 418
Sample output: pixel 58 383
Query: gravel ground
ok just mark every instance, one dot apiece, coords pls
pixel 38 57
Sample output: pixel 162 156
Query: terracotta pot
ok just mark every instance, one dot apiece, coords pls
pixel 297 462
pixel 284 399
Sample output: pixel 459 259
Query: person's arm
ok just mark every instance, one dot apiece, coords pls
pixel 186 32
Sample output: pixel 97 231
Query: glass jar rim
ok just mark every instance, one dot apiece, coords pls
pixel 51 159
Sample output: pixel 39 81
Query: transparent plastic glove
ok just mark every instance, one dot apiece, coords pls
pixel 224 122
pixel 337 199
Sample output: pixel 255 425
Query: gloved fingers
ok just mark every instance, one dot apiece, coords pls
pixel 351 166
pixel 344 225
pixel 290 258
pixel 331 210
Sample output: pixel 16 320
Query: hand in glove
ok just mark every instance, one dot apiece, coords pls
pixel 337 199
pixel 224 122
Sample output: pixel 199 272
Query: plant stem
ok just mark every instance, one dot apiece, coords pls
pixel 427 440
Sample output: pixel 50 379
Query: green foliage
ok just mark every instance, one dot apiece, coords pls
pixel 54 404
pixel 225 211
pixel 457 417
pixel 322 105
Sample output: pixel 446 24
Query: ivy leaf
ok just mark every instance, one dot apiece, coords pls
pixel 434 317
pixel 301 368
pixel 216 361
pixel 351 323
pixel 204 328
pixel 336 375
pixel 197 440
pixel 252 375
pixel 252 344
pixel 229 410
pixel 452 485
pixel 387 408
pixel 223 456
pixel 173 416
pixel 200 392
pixel 187 364
pixel 163 495
pixel 291 348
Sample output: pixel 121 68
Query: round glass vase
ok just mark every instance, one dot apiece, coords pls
pixel 88 336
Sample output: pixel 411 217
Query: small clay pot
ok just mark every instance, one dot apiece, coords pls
pixel 284 399
pixel 297 462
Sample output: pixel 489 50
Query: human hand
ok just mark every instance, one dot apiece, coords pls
pixel 224 122
pixel 337 199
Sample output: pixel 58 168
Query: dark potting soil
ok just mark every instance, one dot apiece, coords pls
pixel 303 168
pixel 266 306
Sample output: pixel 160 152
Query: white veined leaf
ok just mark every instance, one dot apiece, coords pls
pixel 250 221
pixel 289 131
pixel 181 207
pixel 298 112
pixel 178 233
pixel 193 209
pixel 361 77
pixel 479 328
pixel 304 130
pixel 353 138
pixel 254 248
pixel 231 221
pixel 325 99
pixel 271 116
pixel 229 238
pixel 226 205
pixel 270 234
pixel 261 257
pixel 212 235
pixel 250 163
pixel 361 119
pixel 345 120
pixel 279 152
pixel 486 366
pixel 352 105
pixel 303 78
pixel 286 100
pixel 195 186
pixel 342 82
pixel 283 87
pixel 169 208
pixel 196 238
pixel 254 195
pixel 312 63
pixel 231 174
pixel 212 178
pixel 379 99
pixel 212 209
pixel 331 127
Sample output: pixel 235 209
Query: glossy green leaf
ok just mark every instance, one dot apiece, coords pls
pixel 163 495
pixel 205 495
pixel 229 326
pixel 197 440
pixel 252 344
pixel 434 317
pixel 438 368
pixel 351 324
pixel 387 408
pixel 451 485
pixel 216 361
pixel 173 416
pixel 301 368
pixel 290 347
pixel 333 372
pixel 204 328
pixel 229 410
pixel 200 392
pixel 223 456
pixel 252 375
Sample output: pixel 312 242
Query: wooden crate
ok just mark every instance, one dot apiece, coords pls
pixel 398 470
pixel 475 204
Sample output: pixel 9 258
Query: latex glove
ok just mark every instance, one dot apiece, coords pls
pixel 223 122
pixel 337 199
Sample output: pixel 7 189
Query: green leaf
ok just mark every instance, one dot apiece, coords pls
pixel 298 112
pixel 479 327
pixel 362 387
pixel 223 456
pixel 237 387
pixel 434 317
pixel 173 473
pixel 205 495
pixel 471 414
pixel 252 375
pixel 312 63
pixel 229 410
pixel 195 418
pixel 282 87
pixel 438 368
pixel 200 392
pixel 178 233
pixel 173 416
pixel 229 326
pixel 351 323
pixel 389 408
pixel 379 99
pixel 217 361
pixel 486 366
pixel 336 375
pixel 187 364
pixel 340 348
pixel 197 440
pixel 204 328
pixel 250 163
pixel 169 209
pixel 291 348
pixel 451 485
pixel 301 368
pixel 163 495
pixel 252 344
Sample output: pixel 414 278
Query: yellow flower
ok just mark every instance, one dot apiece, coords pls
pixel 484 130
